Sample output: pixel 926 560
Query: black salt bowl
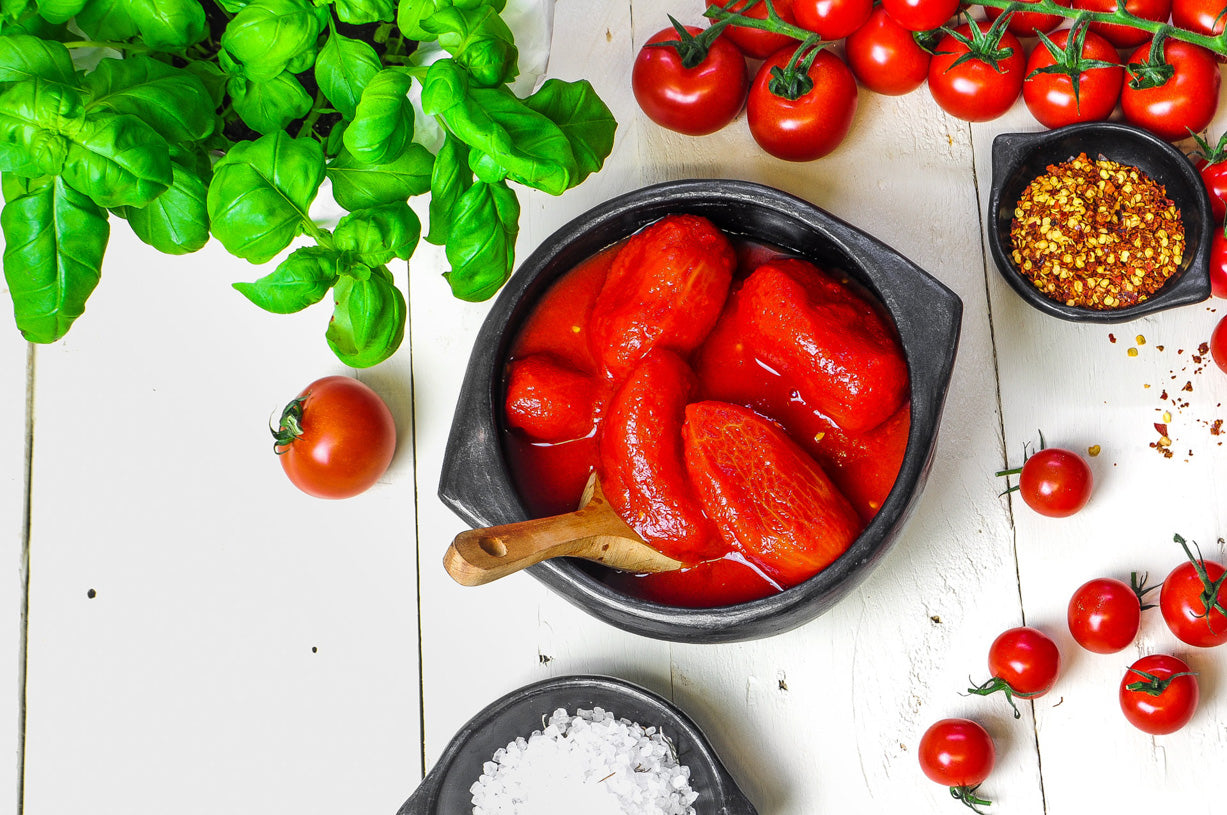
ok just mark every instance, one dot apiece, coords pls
pixel 1019 158
pixel 477 484
pixel 445 790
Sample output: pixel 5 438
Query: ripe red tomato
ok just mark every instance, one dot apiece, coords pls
pixel 976 91
pixel 1186 102
pixel 753 42
pixel 1126 36
pixel 1026 23
pixel 1055 482
pixel 1200 16
pixel 1218 266
pixel 832 19
pixel 1158 694
pixel 921 15
pixel 810 126
pixel 336 439
pixel 959 754
pixel 1050 96
pixel 1218 344
pixel 885 57
pixel 1026 659
pixel 1192 605
pixel 1214 175
pixel 1105 614
pixel 696 100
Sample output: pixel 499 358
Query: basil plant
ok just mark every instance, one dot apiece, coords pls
pixel 198 118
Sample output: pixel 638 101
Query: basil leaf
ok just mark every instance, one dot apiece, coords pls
pixel 173 101
pixel 411 14
pixel 269 36
pixel 299 281
pixel 532 149
pixel 359 12
pixel 368 319
pixel 383 120
pixel 358 185
pixel 260 194
pixel 54 241
pixel 343 69
pixel 118 160
pixel 377 234
pixel 34 115
pixel 169 25
pixel 60 11
pixel 26 57
pixel 12 11
pixel 450 178
pixel 583 118
pixel 480 41
pixel 269 106
pixel 107 20
pixel 177 221
pixel 481 246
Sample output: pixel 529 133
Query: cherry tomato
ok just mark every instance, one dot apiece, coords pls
pixel 1026 659
pixel 1218 265
pixel 832 19
pixel 1158 694
pixel 1200 16
pixel 753 42
pixel 1026 23
pixel 885 57
pixel 1104 615
pixel 1050 96
pixel 959 754
pixel 695 101
pixel 1055 482
pixel 1123 36
pixel 921 15
pixel 1218 344
pixel 1186 102
pixel 976 91
pixel 336 438
pixel 1214 175
pixel 1191 603
pixel 810 126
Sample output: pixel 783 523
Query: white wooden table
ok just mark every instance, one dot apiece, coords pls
pixel 188 633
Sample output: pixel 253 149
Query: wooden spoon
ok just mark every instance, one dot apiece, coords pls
pixel 593 532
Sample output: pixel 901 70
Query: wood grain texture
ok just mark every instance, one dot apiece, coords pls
pixel 13 425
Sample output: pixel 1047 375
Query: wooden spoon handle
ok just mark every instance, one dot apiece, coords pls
pixel 479 556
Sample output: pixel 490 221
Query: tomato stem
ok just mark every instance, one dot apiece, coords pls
pixel 1210 589
pixel 998 684
pixel 290 427
pixel 1153 685
pixel 1141 589
pixel 968 796
pixel 1069 61
pixel 773 23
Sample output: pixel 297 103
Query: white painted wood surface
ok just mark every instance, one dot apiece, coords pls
pixel 247 649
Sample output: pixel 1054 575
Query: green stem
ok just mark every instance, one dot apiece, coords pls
pixel 1217 44
pixel 774 22
pixel 130 47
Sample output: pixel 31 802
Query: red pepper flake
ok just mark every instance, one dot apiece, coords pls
pixel 1216 427
pixel 1188 386
pixel 1112 338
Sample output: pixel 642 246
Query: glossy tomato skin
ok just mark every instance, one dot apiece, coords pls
pixel 811 126
pixel 1218 264
pixel 1104 615
pixel 975 91
pixel 1026 23
pixel 1214 176
pixel 921 15
pixel 1218 344
pixel 832 19
pixel 1167 711
pixel 753 42
pixel 694 101
pixel 1184 610
pixel 1200 16
pixel 347 441
pixel 1125 36
pixel 1026 659
pixel 1050 97
pixel 885 57
pixel 956 753
pixel 1187 101
pixel 1055 482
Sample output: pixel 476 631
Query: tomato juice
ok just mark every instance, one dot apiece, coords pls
pixel 550 473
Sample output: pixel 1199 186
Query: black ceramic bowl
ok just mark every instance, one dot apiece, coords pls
pixel 1018 158
pixel 477 484
pixel 445 790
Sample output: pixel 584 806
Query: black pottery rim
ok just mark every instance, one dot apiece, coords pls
pixel 1012 151
pixel 728 797
pixel 475 475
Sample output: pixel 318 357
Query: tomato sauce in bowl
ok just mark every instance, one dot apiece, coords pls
pixel 558 396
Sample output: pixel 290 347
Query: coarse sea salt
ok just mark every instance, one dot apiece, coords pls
pixel 590 763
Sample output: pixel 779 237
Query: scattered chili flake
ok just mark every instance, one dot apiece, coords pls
pixel 1188 386
pixel 1133 352
pixel 1141 340
pixel 1093 450
pixel 1216 427
pixel 1096 234
pixel 1112 338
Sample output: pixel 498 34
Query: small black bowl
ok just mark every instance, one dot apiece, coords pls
pixel 1019 158
pixel 445 790
pixel 477 484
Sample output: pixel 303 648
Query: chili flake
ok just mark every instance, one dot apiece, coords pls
pixel 1097 234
